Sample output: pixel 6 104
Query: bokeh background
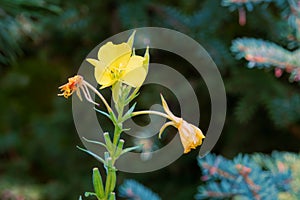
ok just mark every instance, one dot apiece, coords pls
pixel 42 43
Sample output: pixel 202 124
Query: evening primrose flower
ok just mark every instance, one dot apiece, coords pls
pixel 118 63
pixel 190 135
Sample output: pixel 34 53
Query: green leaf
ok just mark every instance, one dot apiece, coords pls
pixel 119 147
pixel 128 113
pixel 108 142
pixel 108 184
pixel 111 177
pixel 113 117
pixel 131 149
pixel 112 196
pixel 103 113
pixel 87 194
pixel 133 95
pixel 95 142
pixel 92 154
pixel 97 183
pixel 106 156
pixel 126 129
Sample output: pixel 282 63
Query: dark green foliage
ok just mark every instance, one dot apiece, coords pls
pixel 19 20
pixel 285 111
pixel 265 89
pixel 138 16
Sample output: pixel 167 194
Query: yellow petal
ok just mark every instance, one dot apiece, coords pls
pixel 135 74
pixel 135 78
pixel 131 39
pixel 199 135
pixel 190 136
pixel 167 110
pixel 110 52
pixel 96 63
pixel 113 73
pixel 146 59
pixel 106 80
pixel 134 62
pixel 99 69
pixel 120 63
pixel 99 73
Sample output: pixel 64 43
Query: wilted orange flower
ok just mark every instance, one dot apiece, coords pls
pixel 77 84
pixel 69 88
pixel 190 135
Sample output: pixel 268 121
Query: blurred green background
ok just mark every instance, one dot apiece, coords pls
pixel 42 43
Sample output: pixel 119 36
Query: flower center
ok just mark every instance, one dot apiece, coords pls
pixel 117 71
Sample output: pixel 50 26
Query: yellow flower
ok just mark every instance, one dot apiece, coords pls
pixel 190 135
pixel 118 62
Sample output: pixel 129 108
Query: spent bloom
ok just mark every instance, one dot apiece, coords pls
pixel 190 135
pixel 78 85
pixel 69 88
pixel 118 63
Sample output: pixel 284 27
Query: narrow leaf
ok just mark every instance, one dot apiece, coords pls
pixel 128 113
pixel 113 117
pixel 103 113
pixel 92 154
pixel 131 149
pixel 87 194
pixel 108 142
pixel 133 95
pixel 119 147
pixel 95 142
pixel 97 183
pixel 112 196
pixel 106 156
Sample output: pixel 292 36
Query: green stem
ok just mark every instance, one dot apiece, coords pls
pixel 117 133
pixel 120 114
pixel 147 112
pixel 108 183
pixel 111 171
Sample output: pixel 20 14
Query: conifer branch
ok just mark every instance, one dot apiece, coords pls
pixel 264 54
